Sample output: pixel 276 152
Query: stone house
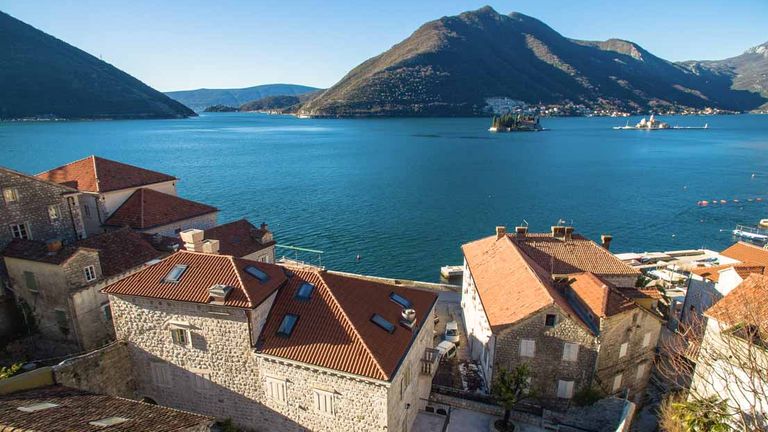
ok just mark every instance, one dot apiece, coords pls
pixel 558 302
pixel 275 348
pixel 239 238
pixel 708 284
pixel 732 358
pixel 105 185
pixel 59 285
pixel 31 208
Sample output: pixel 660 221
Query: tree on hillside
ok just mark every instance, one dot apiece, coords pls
pixel 511 388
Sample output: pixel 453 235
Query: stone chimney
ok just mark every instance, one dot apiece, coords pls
pixel 605 241
pixel 558 231
pixel 568 233
pixel 193 239
pixel 218 293
pixel 210 246
pixel 501 231
pixel 521 231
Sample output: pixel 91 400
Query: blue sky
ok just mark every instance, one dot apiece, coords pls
pixel 220 44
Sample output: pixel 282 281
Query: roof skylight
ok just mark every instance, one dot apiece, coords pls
pixel 257 273
pixel 383 323
pixel 174 276
pixel 305 291
pixel 109 421
pixel 286 327
pixel 402 301
pixel 37 407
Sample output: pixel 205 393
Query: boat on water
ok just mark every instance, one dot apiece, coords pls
pixel 763 223
pixel 754 234
pixel 653 124
pixel 515 123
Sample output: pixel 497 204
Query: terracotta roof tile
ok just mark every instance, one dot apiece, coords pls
pixel 148 208
pixel 238 238
pixel 601 298
pixel 747 253
pixel 95 174
pixel 77 408
pixel 713 273
pixel 119 251
pixel 203 271
pixel 745 304
pixel 334 328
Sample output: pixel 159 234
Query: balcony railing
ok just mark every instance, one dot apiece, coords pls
pixel 429 361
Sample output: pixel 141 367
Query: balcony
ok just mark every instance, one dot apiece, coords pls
pixel 429 361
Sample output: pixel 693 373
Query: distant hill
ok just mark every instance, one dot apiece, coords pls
pixel 200 99
pixel 44 77
pixel 451 66
pixel 279 103
pixel 220 108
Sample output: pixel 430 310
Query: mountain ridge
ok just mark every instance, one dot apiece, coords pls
pixel 199 99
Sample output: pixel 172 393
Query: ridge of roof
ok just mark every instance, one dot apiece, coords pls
pixel 169 208
pixel 239 277
pixel 90 177
pixel 351 324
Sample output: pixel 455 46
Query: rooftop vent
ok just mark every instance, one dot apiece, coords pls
pixel 193 239
pixel 218 293
pixel 210 246
pixel 605 239
pixel 521 231
pixel 558 231
pixel 37 407
pixel 568 233
pixel 109 421
pixel 408 318
pixel 501 231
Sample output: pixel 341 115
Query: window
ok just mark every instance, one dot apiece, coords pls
pixel 20 231
pixel 87 210
pixel 570 351
pixel 564 389
pixel 263 258
pixel 161 374
pixel 305 291
pixel 324 402
pixel 202 378
pixel 106 312
pixel 383 323
pixel 90 273
pixel 623 349
pixel 275 389
pixel 174 276
pixel 634 318
pixel 54 212
pixel 286 327
pixel 10 195
pixel 616 383
pixel 30 281
pixel 37 407
pixel 641 368
pixel 527 348
pixel 405 382
pixel 550 320
pixel 257 273
pixel 402 301
pixel 180 336
pixel 61 319
pixel 646 339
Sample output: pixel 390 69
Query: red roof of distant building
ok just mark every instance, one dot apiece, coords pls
pixel 747 254
pixel 238 238
pixel 334 328
pixel 96 174
pixel 601 298
pixel 713 273
pixel 202 272
pixel 746 304
pixel 148 208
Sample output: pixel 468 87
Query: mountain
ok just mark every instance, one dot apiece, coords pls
pixel 748 71
pixel 451 66
pixel 202 98
pixel 281 103
pixel 44 77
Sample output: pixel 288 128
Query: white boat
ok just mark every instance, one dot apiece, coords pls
pixel 763 223
pixel 751 233
pixel 653 124
pixel 451 271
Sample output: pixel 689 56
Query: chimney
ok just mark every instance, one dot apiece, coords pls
pixel 264 226
pixel 210 246
pixel 605 241
pixel 53 245
pixel 408 318
pixel 558 231
pixel 521 231
pixel 568 233
pixel 193 239
pixel 218 293
pixel 501 231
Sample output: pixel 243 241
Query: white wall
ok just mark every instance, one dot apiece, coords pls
pixel 476 322
pixel 114 199
pixel 202 222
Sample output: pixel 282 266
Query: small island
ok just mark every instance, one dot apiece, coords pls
pixel 515 123
pixel 221 108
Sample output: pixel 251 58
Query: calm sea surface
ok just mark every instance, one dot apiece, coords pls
pixel 404 194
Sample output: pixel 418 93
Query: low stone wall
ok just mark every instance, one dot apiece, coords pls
pixel 485 408
pixel 429 286
pixel 105 371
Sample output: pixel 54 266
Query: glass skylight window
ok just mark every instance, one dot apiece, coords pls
pixel 305 291
pixel 109 421
pixel 402 301
pixel 257 273
pixel 37 407
pixel 174 275
pixel 383 323
pixel 286 327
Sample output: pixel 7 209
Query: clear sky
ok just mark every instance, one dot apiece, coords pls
pixel 177 45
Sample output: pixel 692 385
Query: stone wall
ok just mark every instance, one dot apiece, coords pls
pixel 547 364
pixel 105 371
pixel 203 222
pixel 263 255
pixel 34 198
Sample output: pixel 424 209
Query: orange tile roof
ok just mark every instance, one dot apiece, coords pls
pixel 148 208
pixel 747 253
pixel 601 298
pixel 203 271
pixel 96 174
pixel 238 238
pixel 334 328
pixel 713 273
pixel 573 256
pixel 745 304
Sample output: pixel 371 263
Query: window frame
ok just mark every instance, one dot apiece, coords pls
pixel 617 383
pixel 92 270
pixel 573 356
pixel 276 389
pixel 623 349
pixel 56 214
pixel 567 387
pixel 291 326
pixel 14 193
pixel 554 320
pixel 642 368
pixel 327 399
pixel 181 268
pixel 106 311
pixel 528 343
pixel 187 336
pixel 27 235
pixel 160 370
pixel 646 339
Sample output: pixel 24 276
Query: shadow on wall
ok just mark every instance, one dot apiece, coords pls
pixel 196 392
